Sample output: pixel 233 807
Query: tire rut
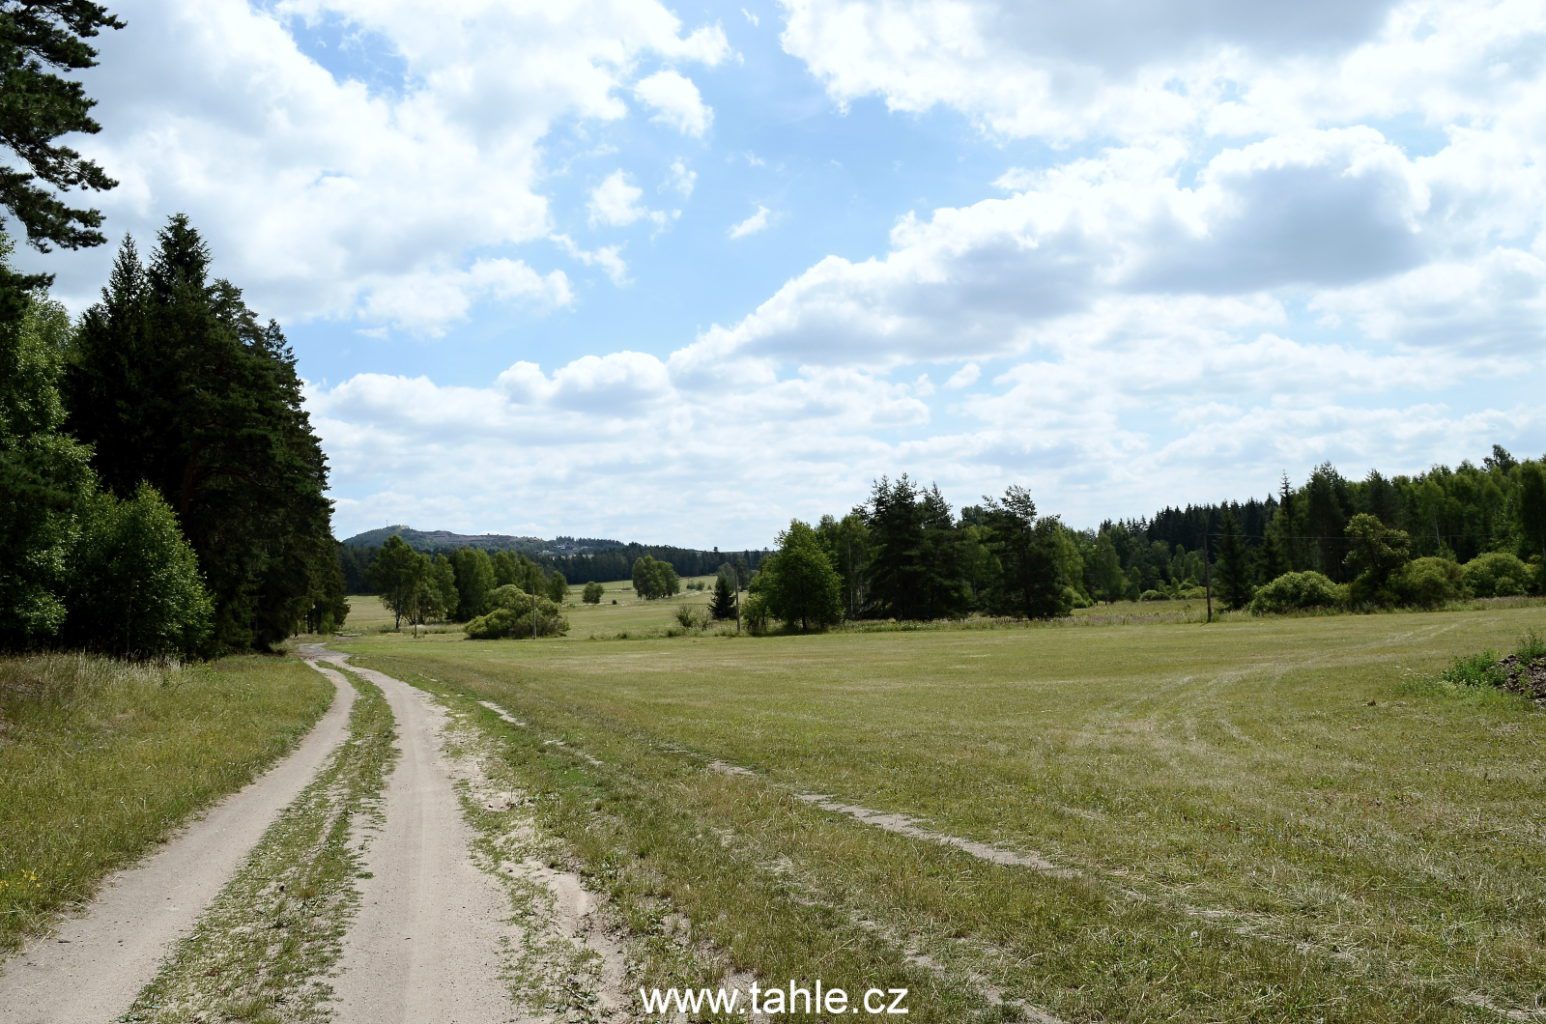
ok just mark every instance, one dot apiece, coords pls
pixel 430 938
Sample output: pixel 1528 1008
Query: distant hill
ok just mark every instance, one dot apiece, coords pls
pixel 580 559
pixel 445 540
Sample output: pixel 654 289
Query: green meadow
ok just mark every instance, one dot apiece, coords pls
pixel 1126 816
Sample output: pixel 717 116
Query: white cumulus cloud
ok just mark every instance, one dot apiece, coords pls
pixel 758 221
pixel 676 101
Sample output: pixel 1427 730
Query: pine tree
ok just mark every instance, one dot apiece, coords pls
pixel 894 516
pixel 1034 583
pixel 38 40
pixel 1234 571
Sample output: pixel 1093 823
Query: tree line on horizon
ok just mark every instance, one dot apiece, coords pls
pixel 1439 536
pixel 614 563
pixel 161 488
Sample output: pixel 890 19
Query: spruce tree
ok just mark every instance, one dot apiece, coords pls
pixel 1234 571
pixel 175 381
pixel 723 605
pixel 945 590
pixel 1531 517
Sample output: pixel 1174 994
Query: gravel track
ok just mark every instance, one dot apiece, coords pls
pixel 428 942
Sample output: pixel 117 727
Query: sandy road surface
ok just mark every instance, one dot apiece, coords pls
pixel 426 945
pixel 91 968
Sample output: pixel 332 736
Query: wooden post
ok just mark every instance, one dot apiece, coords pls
pixel 1207 575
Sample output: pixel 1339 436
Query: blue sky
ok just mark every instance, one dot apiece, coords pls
pixel 681 272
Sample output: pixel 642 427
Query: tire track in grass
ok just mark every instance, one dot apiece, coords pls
pixel 92 967
pixel 565 909
pixel 742 981
pixel 1257 927
pixel 571 960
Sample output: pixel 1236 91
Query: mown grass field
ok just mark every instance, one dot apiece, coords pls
pixel 1263 820
pixel 100 760
pixel 631 614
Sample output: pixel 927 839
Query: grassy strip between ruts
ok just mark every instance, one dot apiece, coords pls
pixel 100 760
pixel 263 950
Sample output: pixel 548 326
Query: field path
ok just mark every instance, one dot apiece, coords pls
pixel 427 943
pixel 89 969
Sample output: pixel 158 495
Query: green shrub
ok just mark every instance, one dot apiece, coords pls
pixel 1497 574
pixel 754 613
pixel 593 593
pixel 1429 582
pixel 1294 592
pixel 1193 593
pixel 689 617
pixel 1531 646
pixel 1475 670
pixel 1153 595
pixel 513 614
pixel 135 589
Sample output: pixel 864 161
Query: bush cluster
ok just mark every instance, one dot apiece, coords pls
pixel 517 614
pixel 1296 592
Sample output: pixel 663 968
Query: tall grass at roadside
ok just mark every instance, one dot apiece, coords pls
pixel 100 760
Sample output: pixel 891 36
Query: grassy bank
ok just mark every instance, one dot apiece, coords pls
pixel 99 760
pixel 1267 819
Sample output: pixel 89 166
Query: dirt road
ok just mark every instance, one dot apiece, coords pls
pixel 426 945
pixel 91 968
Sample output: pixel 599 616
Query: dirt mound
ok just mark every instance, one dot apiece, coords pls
pixel 1527 678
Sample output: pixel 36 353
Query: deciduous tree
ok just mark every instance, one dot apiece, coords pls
pixel 798 582
pixel 396 574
